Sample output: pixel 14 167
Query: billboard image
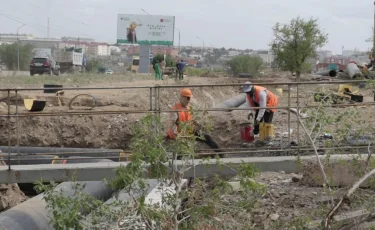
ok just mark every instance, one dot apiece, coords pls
pixel 145 29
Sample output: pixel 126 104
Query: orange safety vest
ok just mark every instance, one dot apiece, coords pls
pixel 184 115
pixel 272 100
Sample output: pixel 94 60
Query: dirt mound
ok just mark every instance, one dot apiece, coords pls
pixel 211 75
pixel 10 195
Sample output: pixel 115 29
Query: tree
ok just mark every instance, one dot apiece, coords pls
pixel 93 65
pixel 9 55
pixel 169 62
pixel 213 57
pixel 245 64
pixel 293 44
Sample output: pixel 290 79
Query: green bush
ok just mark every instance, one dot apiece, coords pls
pixel 245 64
pixel 170 62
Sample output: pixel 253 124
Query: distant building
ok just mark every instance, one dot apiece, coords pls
pixel 337 60
pixel 266 55
pixel 98 49
pixel 77 39
pixel 11 38
pixel 322 54
pixel 50 43
pixel 233 53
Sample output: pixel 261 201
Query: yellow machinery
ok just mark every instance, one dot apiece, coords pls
pixel 34 105
pixel 266 131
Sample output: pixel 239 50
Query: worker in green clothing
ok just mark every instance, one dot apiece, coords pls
pixel 157 71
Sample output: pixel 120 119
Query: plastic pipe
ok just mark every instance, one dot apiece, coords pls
pixel 32 214
pixel 232 103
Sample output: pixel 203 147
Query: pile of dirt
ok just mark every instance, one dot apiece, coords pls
pixel 210 75
pixel 10 195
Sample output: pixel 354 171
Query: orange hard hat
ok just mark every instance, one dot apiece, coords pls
pixel 186 92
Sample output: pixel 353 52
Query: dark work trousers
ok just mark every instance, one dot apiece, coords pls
pixel 180 75
pixel 267 118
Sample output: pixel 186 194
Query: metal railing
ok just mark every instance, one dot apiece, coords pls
pixel 154 107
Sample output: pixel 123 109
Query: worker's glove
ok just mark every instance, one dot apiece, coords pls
pixel 250 115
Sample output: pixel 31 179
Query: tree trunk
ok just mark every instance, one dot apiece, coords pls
pixel 298 76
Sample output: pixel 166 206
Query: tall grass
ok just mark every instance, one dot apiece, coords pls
pixel 195 71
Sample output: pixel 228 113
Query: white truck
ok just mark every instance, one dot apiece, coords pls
pixel 70 61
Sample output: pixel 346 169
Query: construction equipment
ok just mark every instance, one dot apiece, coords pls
pixel 70 60
pixel 135 64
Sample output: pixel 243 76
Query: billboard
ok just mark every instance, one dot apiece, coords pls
pixel 145 29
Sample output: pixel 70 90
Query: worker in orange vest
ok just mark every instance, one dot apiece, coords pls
pixel 183 115
pixel 258 96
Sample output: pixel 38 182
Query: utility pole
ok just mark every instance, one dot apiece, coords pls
pixel 373 39
pixel 48 27
pixel 18 48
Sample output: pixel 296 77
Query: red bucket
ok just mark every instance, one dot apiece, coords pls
pixel 246 132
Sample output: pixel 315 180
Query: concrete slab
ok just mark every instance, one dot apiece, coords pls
pixel 98 171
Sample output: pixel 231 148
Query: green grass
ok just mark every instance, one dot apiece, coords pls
pixel 195 72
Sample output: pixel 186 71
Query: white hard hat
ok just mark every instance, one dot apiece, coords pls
pixel 248 87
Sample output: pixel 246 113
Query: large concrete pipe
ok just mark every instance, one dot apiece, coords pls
pixel 33 215
pixel 328 72
pixel 353 71
pixel 232 103
pixel 124 197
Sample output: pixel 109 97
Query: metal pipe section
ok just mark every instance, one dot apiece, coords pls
pixel 29 160
pixel 232 103
pixel 51 150
pixel 33 215
pixel 353 71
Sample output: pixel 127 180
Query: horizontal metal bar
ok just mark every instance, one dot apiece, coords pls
pixel 184 86
pixel 113 112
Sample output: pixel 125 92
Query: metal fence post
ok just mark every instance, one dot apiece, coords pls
pixel 150 98
pixel 9 167
pixel 298 118
pixel 289 88
pixel 17 129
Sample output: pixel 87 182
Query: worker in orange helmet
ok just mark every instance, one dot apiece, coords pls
pixel 258 96
pixel 183 115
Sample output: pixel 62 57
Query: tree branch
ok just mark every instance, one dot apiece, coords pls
pixel 317 156
pixel 346 197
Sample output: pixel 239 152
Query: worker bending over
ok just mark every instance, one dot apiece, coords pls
pixel 258 96
pixel 184 116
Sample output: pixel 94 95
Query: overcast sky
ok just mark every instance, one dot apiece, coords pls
pixel 228 23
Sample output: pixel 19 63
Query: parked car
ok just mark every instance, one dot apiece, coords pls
pixel 109 71
pixel 42 65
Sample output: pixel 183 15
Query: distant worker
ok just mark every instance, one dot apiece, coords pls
pixel 184 116
pixel 180 67
pixel 162 68
pixel 258 96
pixel 157 71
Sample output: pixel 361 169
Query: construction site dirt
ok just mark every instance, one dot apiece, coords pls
pixel 113 131
pixel 287 197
